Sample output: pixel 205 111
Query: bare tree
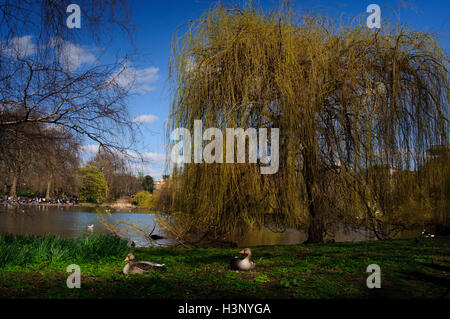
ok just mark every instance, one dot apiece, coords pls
pixel 43 80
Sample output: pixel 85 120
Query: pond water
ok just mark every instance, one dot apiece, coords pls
pixel 73 221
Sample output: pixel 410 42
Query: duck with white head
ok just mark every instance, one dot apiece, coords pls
pixel 245 263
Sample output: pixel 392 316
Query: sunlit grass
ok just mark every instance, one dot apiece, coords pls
pixel 303 271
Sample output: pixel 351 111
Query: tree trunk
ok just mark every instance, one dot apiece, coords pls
pixel 49 183
pixel 12 191
pixel 316 227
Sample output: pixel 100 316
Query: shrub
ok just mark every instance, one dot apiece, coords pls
pixel 143 198
pixel 94 187
pixel 26 193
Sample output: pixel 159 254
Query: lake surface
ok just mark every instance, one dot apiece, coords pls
pixel 73 222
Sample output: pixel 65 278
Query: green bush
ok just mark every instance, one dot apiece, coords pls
pixel 143 198
pixel 94 188
pixel 26 193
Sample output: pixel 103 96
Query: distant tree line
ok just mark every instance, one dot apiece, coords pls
pixel 51 104
pixel 105 177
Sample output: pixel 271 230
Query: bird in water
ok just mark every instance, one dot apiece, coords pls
pixel 427 234
pixel 156 237
pixel 243 264
pixel 90 227
pixel 140 267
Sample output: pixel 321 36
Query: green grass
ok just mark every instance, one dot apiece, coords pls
pixel 303 271
pixel 28 250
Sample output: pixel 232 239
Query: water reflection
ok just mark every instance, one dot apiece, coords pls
pixel 73 222
pixel 257 237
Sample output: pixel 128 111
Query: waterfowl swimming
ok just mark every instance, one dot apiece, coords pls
pixel 243 264
pixel 156 237
pixel 90 227
pixel 427 234
pixel 140 267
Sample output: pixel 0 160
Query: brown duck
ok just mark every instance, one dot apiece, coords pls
pixel 140 267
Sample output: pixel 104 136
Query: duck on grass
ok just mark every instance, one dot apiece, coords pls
pixel 36 267
pixel 245 263
pixel 140 267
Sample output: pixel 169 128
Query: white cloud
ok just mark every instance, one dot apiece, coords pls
pixel 90 149
pixel 137 80
pixel 72 55
pixel 19 47
pixel 155 158
pixel 149 163
pixel 148 158
pixel 148 75
pixel 75 56
pixel 145 118
pixel 146 170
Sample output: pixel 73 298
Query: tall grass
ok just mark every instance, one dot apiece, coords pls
pixel 25 250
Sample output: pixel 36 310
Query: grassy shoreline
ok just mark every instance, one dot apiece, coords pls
pixel 319 271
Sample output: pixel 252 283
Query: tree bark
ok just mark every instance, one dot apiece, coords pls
pixel 12 191
pixel 49 183
pixel 316 227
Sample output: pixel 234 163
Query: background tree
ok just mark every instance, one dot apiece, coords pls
pixel 35 155
pixel 43 82
pixel 18 153
pixel 46 87
pixel 94 187
pixel 148 184
pixel 116 168
pixel 435 177
pixel 110 164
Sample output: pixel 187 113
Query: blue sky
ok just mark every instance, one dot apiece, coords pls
pixel 157 20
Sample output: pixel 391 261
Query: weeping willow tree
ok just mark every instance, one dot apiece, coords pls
pixel 435 176
pixel 345 99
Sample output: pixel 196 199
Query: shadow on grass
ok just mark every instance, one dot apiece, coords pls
pixel 438 267
pixel 435 280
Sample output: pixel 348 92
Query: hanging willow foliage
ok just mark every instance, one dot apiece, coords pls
pixel 346 100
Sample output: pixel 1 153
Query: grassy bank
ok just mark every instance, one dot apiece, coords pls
pixel 34 251
pixel 306 271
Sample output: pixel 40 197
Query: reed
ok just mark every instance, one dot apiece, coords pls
pixel 23 250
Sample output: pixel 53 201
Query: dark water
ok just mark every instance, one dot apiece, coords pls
pixel 293 236
pixel 73 222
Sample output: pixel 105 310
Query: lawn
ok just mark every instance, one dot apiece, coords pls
pixel 35 267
